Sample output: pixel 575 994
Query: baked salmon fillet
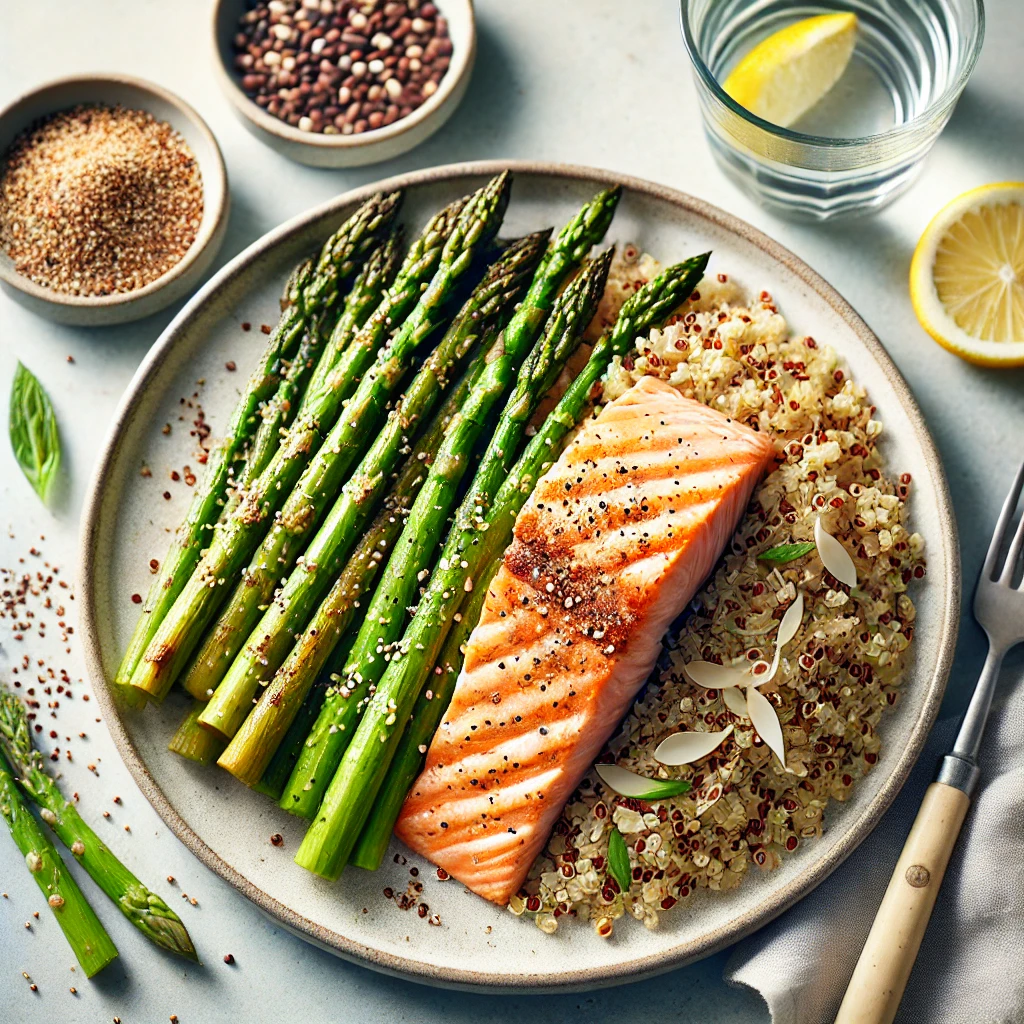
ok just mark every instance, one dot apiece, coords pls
pixel 616 539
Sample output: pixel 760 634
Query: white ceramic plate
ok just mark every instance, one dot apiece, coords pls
pixel 127 522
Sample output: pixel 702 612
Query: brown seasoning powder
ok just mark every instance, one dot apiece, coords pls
pixel 99 200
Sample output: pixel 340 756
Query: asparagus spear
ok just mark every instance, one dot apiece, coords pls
pixel 88 939
pixel 349 798
pixel 426 717
pixel 143 907
pixel 235 541
pixel 414 551
pixel 355 583
pixel 348 440
pixel 339 258
pixel 320 758
pixel 194 743
pixel 366 295
pixel 280 766
pixel 368 291
pixel 489 307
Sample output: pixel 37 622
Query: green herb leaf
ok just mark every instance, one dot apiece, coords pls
pixel 33 431
pixel 618 860
pixel 786 553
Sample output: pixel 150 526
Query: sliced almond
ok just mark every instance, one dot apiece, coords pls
pixel 736 701
pixel 834 556
pixel 766 722
pixel 687 747
pixel 787 630
pixel 715 677
pixel 627 783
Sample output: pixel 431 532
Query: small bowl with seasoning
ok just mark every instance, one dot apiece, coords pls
pixel 341 83
pixel 113 199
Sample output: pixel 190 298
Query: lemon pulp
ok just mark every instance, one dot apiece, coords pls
pixel 979 272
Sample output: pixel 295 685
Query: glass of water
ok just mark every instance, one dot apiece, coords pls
pixel 865 141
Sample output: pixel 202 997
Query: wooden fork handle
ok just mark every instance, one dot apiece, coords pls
pixel 881 975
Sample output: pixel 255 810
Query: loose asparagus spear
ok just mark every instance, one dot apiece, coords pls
pixel 426 717
pixel 349 798
pixel 143 907
pixel 235 541
pixel 485 312
pixel 414 552
pixel 320 758
pixel 354 585
pixel 348 440
pixel 88 939
pixel 338 259
pixel 223 640
pixel 194 743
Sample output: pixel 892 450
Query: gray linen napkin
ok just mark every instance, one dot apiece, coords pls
pixel 969 970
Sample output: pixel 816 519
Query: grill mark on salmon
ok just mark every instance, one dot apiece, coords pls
pixel 615 541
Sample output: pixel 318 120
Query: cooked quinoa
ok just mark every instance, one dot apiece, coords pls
pixel 836 677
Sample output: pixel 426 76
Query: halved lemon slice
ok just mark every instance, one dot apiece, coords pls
pixel 967 275
pixel 782 77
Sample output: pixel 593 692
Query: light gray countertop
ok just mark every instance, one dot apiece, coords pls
pixel 594 82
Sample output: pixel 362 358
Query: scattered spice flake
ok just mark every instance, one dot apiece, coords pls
pixel 229 958
pixel 230 366
pixel 277 839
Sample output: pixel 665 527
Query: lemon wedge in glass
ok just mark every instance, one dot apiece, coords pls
pixel 967 276
pixel 786 74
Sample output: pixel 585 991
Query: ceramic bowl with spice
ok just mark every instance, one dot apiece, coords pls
pixel 340 83
pixel 113 199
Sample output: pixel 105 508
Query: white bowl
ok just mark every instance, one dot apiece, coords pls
pixel 318 150
pixel 136 94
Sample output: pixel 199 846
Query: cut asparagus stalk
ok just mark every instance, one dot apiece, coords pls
pixel 474 541
pixel 235 541
pixel 143 907
pixel 86 936
pixel 280 766
pixel 194 743
pixel 320 758
pixel 426 717
pixel 484 314
pixel 339 259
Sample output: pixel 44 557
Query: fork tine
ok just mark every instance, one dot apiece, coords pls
pixel 1002 527
pixel 1013 555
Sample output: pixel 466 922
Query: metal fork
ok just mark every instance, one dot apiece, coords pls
pixel 884 967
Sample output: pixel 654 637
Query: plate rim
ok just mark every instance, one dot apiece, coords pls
pixel 592 977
